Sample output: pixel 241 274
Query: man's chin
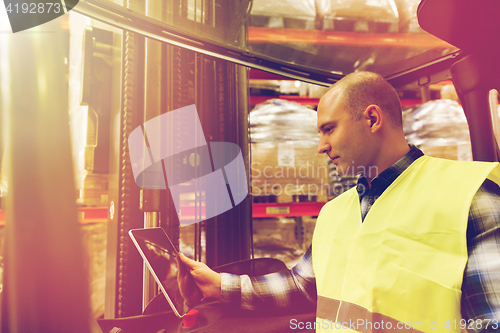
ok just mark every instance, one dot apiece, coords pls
pixel 346 170
pixel 342 170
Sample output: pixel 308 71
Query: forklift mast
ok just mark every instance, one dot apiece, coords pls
pixel 159 78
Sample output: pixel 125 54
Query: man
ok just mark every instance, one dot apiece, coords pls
pixel 415 246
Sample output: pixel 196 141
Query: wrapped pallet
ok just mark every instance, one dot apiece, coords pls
pixel 277 238
pixel 439 128
pixel 408 21
pixel 362 16
pixel 299 14
pixel 285 162
pixel 323 7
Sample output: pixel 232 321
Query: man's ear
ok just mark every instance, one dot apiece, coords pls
pixel 373 117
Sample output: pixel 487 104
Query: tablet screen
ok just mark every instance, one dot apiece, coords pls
pixel 159 253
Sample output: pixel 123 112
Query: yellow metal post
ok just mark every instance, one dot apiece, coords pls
pixel 45 282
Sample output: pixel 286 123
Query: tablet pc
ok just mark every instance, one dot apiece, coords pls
pixel 159 254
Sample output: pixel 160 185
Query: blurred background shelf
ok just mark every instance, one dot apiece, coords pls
pixel 100 214
pixel 286 209
pixel 344 38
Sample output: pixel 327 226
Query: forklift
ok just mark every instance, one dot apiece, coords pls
pixel 141 60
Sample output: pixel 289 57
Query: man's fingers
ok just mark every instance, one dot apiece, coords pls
pixel 182 267
pixel 203 278
pixel 190 264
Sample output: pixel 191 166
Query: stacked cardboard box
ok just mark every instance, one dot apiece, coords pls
pixel 298 14
pixel 288 169
pixel 340 15
pixel 362 16
pixel 277 238
pixel 285 162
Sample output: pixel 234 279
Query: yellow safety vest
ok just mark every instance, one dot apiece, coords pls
pixel 402 268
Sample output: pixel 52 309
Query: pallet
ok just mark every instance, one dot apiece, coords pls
pixel 411 26
pixel 335 23
pixel 280 22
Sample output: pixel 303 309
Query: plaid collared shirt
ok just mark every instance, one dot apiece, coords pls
pixel 481 283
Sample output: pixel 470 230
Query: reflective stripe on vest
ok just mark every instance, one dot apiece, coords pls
pixel 401 269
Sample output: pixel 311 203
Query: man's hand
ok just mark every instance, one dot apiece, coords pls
pixel 208 281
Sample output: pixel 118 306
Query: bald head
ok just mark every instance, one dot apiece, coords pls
pixel 361 89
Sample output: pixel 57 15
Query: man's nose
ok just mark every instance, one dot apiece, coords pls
pixel 323 146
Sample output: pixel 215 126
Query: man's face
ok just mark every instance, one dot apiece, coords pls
pixel 345 140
